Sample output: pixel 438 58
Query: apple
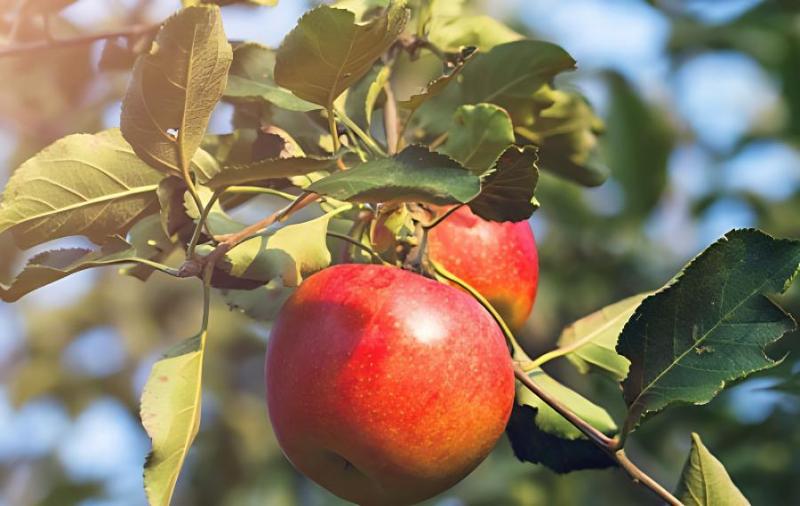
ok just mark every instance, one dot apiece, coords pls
pixel 386 387
pixel 498 259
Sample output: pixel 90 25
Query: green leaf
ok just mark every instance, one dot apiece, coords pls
pixel 288 254
pixel 705 482
pixel 507 190
pixel 639 142
pixel 478 135
pixel 483 32
pixel 170 412
pixel 413 175
pixel 92 185
pixel 270 169
pixel 175 87
pixel 361 98
pixel 327 52
pixel 252 78
pixel 538 434
pixel 50 266
pixel 151 243
pixel 261 304
pixel 592 340
pixel 710 325
pixel 566 130
pixel 513 70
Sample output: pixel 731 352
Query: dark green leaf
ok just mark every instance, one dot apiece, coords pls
pixel 705 482
pixel 710 325
pixel 507 190
pixel 478 135
pixel 252 78
pixel 328 51
pixel 264 170
pixel 413 175
pixel 92 185
pixel 175 87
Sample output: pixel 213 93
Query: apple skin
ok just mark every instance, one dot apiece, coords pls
pixel 386 387
pixel 498 259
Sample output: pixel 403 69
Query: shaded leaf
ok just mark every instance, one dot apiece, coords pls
pixel 415 175
pixel 592 340
pixel 252 77
pixel 264 170
pixel 362 98
pixel 175 87
pixel 92 185
pixel 507 190
pixel 327 52
pixel 262 303
pixel 50 266
pixel 705 482
pixel 710 325
pixel 170 197
pixel 478 135
pixel 170 412
pixel 288 254
pixel 151 243
pixel 538 434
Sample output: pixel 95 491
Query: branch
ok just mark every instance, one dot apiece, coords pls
pixel 41 45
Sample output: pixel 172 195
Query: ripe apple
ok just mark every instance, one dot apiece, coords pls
pixel 498 259
pixel 386 387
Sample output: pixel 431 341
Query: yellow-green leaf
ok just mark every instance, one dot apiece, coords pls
pixel 175 87
pixel 92 185
pixel 478 135
pixel 705 482
pixel 170 411
pixel 328 51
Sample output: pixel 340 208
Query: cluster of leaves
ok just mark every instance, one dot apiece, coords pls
pixel 379 113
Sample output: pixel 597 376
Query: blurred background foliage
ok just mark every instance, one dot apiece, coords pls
pixel 701 104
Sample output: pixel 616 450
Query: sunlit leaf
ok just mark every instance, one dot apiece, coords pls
pixel 92 185
pixel 710 325
pixel 538 434
pixel 328 51
pixel 507 190
pixel 362 98
pixel 288 254
pixel 415 175
pixel 592 340
pixel 175 87
pixel 170 412
pixel 261 304
pixel 252 78
pixel 705 482
pixel 478 135
pixel 483 32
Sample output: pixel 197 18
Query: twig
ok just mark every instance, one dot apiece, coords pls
pixel 29 47
pixel 390 120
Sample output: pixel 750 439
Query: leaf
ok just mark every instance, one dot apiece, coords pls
pixel 565 128
pixel 538 434
pixel 705 482
pixel 483 32
pixel 170 412
pixel 513 70
pixel 592 340
pixel 288 254
pixel 414 175
pixel 264 170
pixel 261 304
pixel 507 190
pixel 361 98
pixel 92 185
pixel 50 266
pixel 478 135
pixel 252 78
pixel 407 107
pixel 151 243
pixel 710 325
pixel 327 52
pixel 175 87
pixel 170 197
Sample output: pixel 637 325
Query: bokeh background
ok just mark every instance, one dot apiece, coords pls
pixel 701 100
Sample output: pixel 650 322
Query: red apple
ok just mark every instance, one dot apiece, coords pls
pixel 386 387
pixel 498 259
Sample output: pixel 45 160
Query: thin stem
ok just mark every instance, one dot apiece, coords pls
pixel 363 247
pixel 201 223
pixel 365 138
pixel 28 47
pixel 259 190
pixel 390 120
pixel 439 141
pixel 333 130
pixel 443 217
pixel 639 476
